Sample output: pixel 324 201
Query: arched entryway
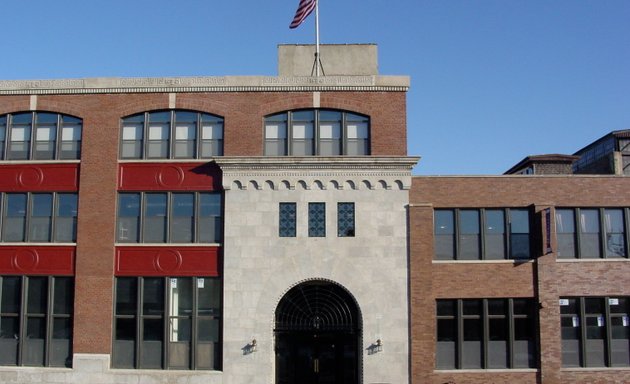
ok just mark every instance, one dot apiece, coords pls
pixel 317 332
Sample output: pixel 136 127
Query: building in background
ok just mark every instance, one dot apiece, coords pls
pixel 268 230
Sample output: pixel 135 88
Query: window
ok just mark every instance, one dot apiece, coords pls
pixel 316 219
pixel 486 334
pixel 345 219
pixel 167 323
pixel 287 222
pixel 34 136
pixel 317 132
pixel 595 331
pixel 36 321
pixel 171 134
pixel 489 234
pixel 39 217
pixel 591 233
pixel 169 217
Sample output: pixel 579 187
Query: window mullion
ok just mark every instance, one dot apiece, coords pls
pixel 169 214
pixel 145 135
pixel 511 335
pixel 626 231
pixel 198 128
pixel 166 322
pixel 608 329
pixel 506 234
pixel 456 227
pixel 578 233
pixel 460 333
pixel 49 321
pixel 141 215
pixel 289 134
pixel 485 337
pixel 53 221
pixel 193 326
pixel 58 137
pixel 171 136
pixel 23 318
pixel 31 142
pixel 602 235
pixel 316 134
pixel 139 298
pixel 582 313
pixel 482 235
pixel 27 217
pixel 344 133
pixel 196 216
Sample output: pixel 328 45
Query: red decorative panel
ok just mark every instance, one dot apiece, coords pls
pixel 39 178
pixel 28 260
pixel 169 177
pixel 167 261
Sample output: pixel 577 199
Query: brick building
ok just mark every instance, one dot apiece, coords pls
pixel 267 229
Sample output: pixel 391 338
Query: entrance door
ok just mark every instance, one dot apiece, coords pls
pixel 317 336
pixel 319 358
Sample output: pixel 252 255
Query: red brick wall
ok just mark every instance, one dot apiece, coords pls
pixel 546 279
pixel 243 135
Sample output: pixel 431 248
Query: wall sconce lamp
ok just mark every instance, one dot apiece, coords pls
pixel 378 347
pixel 250 347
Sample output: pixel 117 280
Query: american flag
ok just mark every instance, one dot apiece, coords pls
pixel 304 9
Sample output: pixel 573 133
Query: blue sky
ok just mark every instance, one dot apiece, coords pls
pixel 492 80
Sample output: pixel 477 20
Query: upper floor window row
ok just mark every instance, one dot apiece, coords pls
pixel 40 136
pixel 320 132
pixel 474 234
pixel 592 233
pixel 173 134
pixel 169 217
pixel 39 217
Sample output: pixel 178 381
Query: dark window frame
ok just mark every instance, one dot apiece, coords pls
pixel 24 314
pixel 287 225
pixel 578 234
pixel 584 317
pixel 484 317
pixel 138 316
pixel 344 121
pixel 345 229
pixel 55 217
pixel 196 234
pixel 482 233
pixel 31 148
pixel 172 141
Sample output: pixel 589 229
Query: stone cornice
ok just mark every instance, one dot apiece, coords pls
pixel 205 84
pixel 332 164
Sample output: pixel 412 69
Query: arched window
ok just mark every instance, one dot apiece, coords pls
pixel 172 134
pixel 40 136
pixel 322 132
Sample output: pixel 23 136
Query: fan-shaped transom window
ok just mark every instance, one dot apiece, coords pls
pixel 322 132
pixel 317 306
pixel 40 136
pixel 172 134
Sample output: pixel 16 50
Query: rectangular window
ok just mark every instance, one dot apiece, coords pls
pixel 595 331
pixel 132 134
pixel 345 219
pixel 168 217
pixel 3 134
pixel 330 133
pixel 211 136
pixel 40 223
pixel 36 321
pixel 316 219
pixel 302 133
pixel 474 234
pixel 70 138
pixel 276 135
pixel 20 136
pixel 287 219
pixel 357 132
pixel 592 233
pixel 444 230
pixel 185 134
pixel 45 136
pixel 485 334
pixel 167 323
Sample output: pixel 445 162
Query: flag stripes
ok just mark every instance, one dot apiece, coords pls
pixel 304 9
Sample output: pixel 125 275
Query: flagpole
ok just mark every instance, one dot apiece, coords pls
pixel 317 61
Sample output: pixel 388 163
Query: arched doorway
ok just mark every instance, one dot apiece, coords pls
pixel 317 331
